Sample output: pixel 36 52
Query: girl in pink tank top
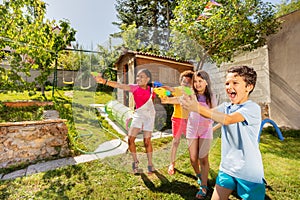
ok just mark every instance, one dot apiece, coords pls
pixel 144 114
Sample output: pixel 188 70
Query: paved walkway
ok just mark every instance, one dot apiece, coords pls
pixel 121 147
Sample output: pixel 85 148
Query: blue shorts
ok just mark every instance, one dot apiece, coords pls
pixel 245 189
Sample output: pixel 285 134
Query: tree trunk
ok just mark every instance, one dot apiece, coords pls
pixel 202 61
pixel 43 91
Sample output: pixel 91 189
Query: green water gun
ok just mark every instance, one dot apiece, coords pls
pixel 187 90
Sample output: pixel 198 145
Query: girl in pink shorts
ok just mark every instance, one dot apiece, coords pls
pixel 200 131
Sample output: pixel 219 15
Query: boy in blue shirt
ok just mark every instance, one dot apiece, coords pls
pixel 241 167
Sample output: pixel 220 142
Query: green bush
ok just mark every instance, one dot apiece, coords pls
pixel 17 114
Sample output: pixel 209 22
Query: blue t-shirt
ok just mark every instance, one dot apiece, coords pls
pixel 241 157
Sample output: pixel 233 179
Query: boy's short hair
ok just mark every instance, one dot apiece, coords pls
pixel 248 73
pixel 187 73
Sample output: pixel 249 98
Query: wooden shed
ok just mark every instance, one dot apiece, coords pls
pixel 163 69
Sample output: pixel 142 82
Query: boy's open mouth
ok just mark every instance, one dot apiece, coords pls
pixel 232 94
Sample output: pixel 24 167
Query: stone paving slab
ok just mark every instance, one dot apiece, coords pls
pixel 111 148
pixel 50 165
pixel 85 158
pixel 14 174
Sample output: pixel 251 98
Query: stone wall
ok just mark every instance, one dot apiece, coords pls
pixel 31 141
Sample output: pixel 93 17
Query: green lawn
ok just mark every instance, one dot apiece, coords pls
pixel 99 180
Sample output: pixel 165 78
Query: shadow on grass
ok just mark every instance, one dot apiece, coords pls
pixel 54 183
pixel 210 184
pixel 185 190
pixel 4 193
pixel 58 187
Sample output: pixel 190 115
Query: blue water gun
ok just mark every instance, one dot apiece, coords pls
pixel 157 84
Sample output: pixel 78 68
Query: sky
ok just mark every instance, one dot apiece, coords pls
pixel 91 18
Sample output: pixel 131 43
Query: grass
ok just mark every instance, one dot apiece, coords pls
pixel 100 180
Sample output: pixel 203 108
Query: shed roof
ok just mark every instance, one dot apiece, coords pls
pixel 147 58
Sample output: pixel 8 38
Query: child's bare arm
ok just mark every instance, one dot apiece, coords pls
pixel 171 89
pixel 191 104
pixel 217 126
pixel 170 100
pixel 114 84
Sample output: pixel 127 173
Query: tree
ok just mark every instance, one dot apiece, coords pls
pixel 31 41
pixel 225 27
pixel 108 55
pixel 148 17
pixel 286 7
pixel 145 13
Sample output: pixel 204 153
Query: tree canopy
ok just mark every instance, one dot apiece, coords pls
pixel 148 17
pixel 222 28
pixel 144 13
pixel 216 30
pixel 286 7
pixel 29 41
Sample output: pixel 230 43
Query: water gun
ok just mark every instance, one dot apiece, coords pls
pixel 157 84
pixel 187 90
pixel 161 92
pixel 209 6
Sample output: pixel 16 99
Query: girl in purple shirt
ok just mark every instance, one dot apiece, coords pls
pixel 199 131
